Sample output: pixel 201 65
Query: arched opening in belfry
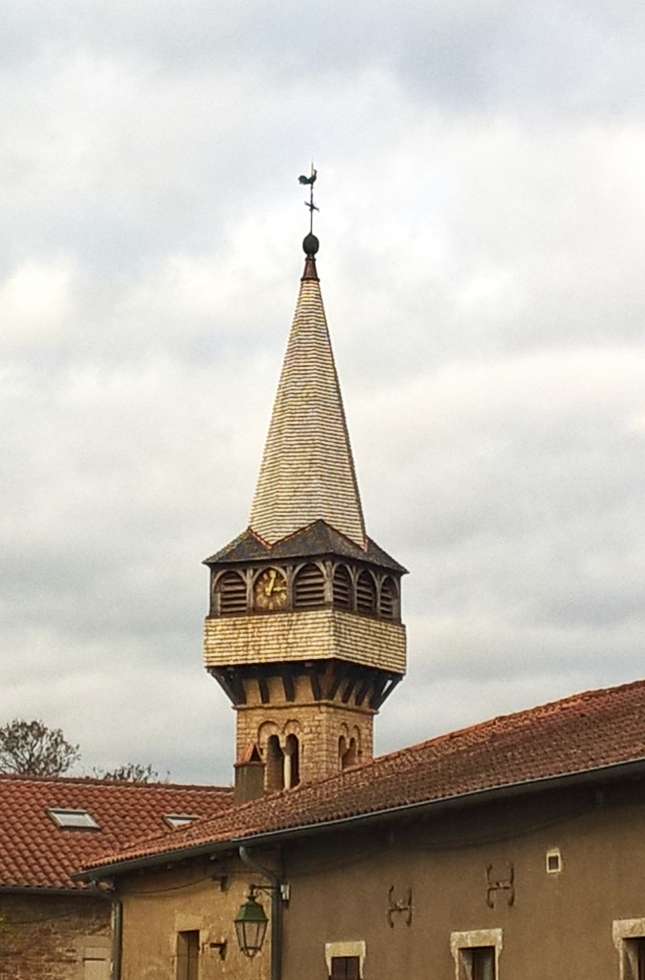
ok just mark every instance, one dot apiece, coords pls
pixel 274 764
pixel 231 594
pixel 309 588
pixel 291 762
pixel 348 752
pixel 342 588
pixel 389 600
pixel 366 593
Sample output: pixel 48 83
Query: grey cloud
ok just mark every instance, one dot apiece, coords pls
pixel 481 227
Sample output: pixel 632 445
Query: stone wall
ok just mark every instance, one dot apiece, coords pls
pixel 54 937
pixel 318 726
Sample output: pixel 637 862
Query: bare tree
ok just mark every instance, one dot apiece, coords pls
pixel 30 748
pixel 131 772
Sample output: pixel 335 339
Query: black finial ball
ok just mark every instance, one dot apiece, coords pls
pixel 310 244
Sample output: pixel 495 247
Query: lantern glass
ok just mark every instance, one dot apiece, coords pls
pixel 251 926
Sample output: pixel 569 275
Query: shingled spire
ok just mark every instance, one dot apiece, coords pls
pixel 304 631
pixel 307 471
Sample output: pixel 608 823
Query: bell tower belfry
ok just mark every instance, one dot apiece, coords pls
pixel 304 629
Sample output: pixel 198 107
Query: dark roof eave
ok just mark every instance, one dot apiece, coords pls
pixel 151 860
pixel 633 767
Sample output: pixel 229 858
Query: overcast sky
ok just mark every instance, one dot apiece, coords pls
pixel 482 227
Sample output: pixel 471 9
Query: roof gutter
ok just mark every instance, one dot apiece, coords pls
pixel 633 768
pixel 151 860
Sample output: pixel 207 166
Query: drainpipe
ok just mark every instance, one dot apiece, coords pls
pixel 276 912
pixel 117 938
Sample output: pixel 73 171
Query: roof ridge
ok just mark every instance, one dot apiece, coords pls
pixel 98 781
pixel 488 723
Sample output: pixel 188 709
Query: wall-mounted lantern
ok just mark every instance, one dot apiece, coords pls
pixel 251 925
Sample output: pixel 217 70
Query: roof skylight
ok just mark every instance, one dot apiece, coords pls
pixel 176 820
pixel 73 819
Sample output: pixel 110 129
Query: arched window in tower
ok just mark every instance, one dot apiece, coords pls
pixel 231 594
pixel 348 752
pixel 274 764
pixel 309 588
pixel 389 600
pixel 342 588
pixel 291 762
pixel 366 593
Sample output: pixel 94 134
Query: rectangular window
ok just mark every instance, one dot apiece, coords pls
pixel 345 968
pixel 635 950
pixel 74 819
pixel 482 963
pixel 629 940
pixel 188 955
pixel 476 954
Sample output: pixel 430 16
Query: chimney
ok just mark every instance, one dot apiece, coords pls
pixel 249 776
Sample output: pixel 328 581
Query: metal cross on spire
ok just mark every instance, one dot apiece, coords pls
pixel 310 181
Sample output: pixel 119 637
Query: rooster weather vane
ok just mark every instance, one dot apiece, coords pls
pixel 309 182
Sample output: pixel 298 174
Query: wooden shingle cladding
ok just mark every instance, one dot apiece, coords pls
pixel 305 635
pixel 307 470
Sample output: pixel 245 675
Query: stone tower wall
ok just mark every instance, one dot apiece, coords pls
pixel 317 725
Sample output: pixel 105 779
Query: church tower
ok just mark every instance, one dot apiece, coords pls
pixel 304 630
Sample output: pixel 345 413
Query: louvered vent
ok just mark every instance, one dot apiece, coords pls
pixel 388 599
pixel 365 593
pixel 342 585
pixel 232 594
pixel 309 588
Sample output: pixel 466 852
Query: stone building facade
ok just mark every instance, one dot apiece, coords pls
pixel 52 926
pixel 47 936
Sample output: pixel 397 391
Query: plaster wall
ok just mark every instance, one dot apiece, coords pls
pixel 157 905
pixel 547 927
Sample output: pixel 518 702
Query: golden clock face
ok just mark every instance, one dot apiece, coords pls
pixel 270 590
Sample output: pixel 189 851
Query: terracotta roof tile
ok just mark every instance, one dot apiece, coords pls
pixel 35 852
pixel 581 733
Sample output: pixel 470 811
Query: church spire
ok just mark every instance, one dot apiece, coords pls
pixel 307 471
pixel 304 630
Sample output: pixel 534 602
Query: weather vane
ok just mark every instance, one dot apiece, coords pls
pixel 310 181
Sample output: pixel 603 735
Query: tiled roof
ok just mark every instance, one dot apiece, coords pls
pixel 307 470
pixel 582 733
pixel 36 853
pixel 318 538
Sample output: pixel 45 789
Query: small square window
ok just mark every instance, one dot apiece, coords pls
pixel 176 820
pixel 73 819
pixel 553 861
